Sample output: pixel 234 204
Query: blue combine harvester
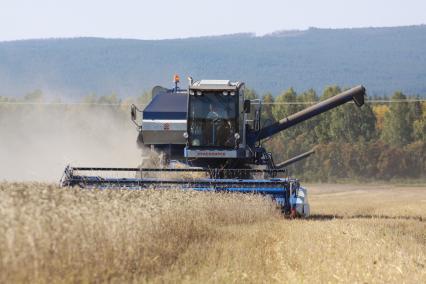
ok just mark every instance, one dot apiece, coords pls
pixel 211 128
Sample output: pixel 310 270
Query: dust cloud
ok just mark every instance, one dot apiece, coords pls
pixel 38 141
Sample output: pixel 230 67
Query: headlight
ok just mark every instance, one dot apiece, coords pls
pixel 237 136
pixel 185 135
pixel 196 142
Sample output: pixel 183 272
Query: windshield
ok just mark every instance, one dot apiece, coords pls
pixel 212 120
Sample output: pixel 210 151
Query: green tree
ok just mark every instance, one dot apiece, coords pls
pixel 346 123
pixel 398 122
pixel 286 104
pixel 250 94
pixel 419 129
pixel 350 123
pixel 267 115
pixel 307 128
pixel 322 130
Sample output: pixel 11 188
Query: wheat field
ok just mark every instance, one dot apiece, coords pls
pixel 357 233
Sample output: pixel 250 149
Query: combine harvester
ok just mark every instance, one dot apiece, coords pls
pixel 211 128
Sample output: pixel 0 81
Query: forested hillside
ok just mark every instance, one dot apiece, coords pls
pixel 383 59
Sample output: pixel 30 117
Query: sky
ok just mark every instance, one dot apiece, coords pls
pixel 160 19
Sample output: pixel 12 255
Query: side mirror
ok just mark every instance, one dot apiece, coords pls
pixel 133 112
pixel 247 106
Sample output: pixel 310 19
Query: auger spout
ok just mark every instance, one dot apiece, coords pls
pixel 294 159
pixel 356 94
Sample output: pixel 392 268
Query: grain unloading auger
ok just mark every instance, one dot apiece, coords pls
pixel 211 128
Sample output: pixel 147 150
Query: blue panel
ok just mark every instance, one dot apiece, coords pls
pixel 263 190
pixel 167 105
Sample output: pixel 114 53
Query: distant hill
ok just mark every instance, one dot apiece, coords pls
pixel 383 59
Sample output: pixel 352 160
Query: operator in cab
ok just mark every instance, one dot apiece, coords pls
pixel 218 128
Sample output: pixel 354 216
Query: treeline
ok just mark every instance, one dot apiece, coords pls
pixel 379 141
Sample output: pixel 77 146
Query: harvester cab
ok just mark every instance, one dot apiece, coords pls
pixel 217 118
